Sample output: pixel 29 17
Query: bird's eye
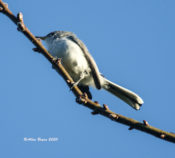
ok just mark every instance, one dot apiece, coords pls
pixel 51 34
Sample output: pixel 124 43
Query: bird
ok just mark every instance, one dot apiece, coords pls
pixel 82 67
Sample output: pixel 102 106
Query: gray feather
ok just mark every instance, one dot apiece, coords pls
pixel 126 95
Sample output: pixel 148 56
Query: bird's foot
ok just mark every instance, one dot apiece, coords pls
pixel 74 84
pixel 82 99
pixel 55 60
pixel 82 76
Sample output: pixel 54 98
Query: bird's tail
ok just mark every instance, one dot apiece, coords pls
pixel 126 95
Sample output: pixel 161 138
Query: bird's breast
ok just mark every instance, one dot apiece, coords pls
pixel 72 56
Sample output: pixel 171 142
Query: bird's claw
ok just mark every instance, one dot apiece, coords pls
pixel 55 59
pixel 73 85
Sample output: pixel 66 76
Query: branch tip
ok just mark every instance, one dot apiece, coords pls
pixel 3 3
pixel 20 17
pixel 105 107
pixel 113 116
pixel 145 123
pixel 162 136
pixel 96 102
pixel 6 4
pixel 20 22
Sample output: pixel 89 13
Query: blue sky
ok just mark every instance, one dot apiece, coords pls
pixel 133 45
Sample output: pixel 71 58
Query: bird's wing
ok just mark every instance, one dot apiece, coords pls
pixel 90 60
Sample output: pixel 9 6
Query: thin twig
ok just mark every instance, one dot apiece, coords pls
pixel 82 98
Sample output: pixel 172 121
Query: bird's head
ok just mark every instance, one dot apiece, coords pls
pixel 54 35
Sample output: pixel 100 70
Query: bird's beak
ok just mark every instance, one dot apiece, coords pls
pixel 41 37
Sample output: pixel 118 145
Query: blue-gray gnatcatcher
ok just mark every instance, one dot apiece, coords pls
pixel 82 68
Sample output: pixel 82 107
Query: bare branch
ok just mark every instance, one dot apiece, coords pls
pixel 82 98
